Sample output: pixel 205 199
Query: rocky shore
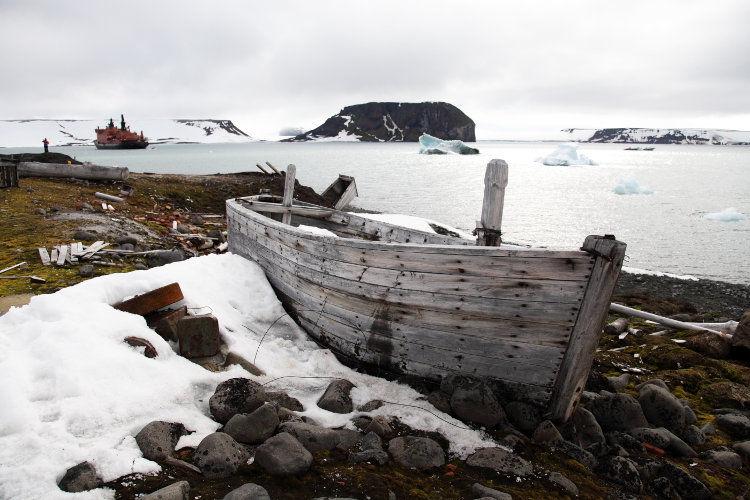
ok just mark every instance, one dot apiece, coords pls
pixel 665 414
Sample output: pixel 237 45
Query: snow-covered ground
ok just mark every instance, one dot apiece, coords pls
pixel 25 133
pixel 646 135
pixel 73 391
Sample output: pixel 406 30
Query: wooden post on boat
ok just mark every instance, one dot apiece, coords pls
pixel 574 369
pixel 291 173
pixel 495 180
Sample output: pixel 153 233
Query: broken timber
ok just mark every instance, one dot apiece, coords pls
pixel 86 171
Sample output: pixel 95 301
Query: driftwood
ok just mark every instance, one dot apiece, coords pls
pixel 86 171
pixel 109 197
pixel 724 329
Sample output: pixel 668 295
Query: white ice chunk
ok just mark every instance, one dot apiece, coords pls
pixel 727 215
pixel 434 146
pixel 565 155
pixel 631 186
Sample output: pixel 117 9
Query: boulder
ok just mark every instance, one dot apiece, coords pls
pixel 81 477
pixel 162 257
pixel 440 401
pixel 687 487
pixel 693 436
pixel 575 452
pixel 175 491
pixel 473 401
pixel 588 433
pixel 418 452
pixel 218 455
pixel 741 337
pixel 563 482
pixel 86 271
pixel 371 405
pixel 622 471
pixel 255 427
pixel 380 426
pixel 743 448
pixel 726 394
pixel 617 412
pixel 500 460
pixel 723 457
pixel 312 437
pixel 738 426
pixel 283 455
pixel 546 432
pixel 524 416
pixel 248 491
pixel 236 395
pixel 371 456
pixel 157 439
pixel 336 398
pixel 709 344
pixel 661 408
pixel 485 492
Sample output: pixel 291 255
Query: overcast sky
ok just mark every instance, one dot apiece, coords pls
pixel 519 69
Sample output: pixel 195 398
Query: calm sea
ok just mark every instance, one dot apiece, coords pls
pixel 550 206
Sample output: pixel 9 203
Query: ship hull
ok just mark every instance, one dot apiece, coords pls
pixel 121 145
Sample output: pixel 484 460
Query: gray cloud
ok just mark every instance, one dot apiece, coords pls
pixel 535 65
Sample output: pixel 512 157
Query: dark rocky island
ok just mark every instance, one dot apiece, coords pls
pixel 395 121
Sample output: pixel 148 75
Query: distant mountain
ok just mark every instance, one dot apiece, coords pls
pixel 659 136
pixel 26 133
pixel 394 121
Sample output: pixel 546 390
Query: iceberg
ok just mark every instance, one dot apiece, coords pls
pixel 565 155
pixel 727 215
pixel 630 186
pixel 434 146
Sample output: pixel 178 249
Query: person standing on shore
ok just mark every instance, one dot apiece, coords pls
pixel 46 145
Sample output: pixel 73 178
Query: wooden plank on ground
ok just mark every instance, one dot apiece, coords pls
pixel 44 255
pixel 151 301
pixel 62 255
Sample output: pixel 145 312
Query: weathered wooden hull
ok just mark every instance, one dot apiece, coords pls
pixel 412 303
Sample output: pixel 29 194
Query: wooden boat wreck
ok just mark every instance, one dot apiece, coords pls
pixel 418 303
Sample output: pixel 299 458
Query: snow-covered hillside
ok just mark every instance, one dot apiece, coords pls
pixel 659 136
pixel 23 133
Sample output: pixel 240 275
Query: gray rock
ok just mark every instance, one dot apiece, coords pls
pixel 197 220
pixel 622 471
pixel 546 432
pixel 255 427
pixel 380 426
pixel 175 491
pixel 708 429
pixel 336 398
pixel 619 381
pixel 690 417
pixel 524 416
pixel 723 457
pixel 485 492
pixel 87 207
pixel 654 381
pixel 81 477
pixel 140 266
pixel 473 401
pixel 617 438
pixel 126 247
pixel 236 395
pixel 741 337
pixel 576 453
pixel 347 438
pixel 371 441
pixel 662 488
pixel 372 456
pixel 371 406
pixel 126 240
pixel 662 408
pixel 617 412
pixel 693 436
pixel 40 211
pixel 157 439
pixel 162 257
pixel 248 491
pixel 686 485
pixel 183 228
pixel 588 433
pixel 418 452
pixel 440 401
pixel 218 234
pixel 312 437
pixel 283 455
pixel 86 271
pixel 654 437
pixel 501 461
pixel 743 448
pixel 219 456
pixel 85 236
pixel 563 482
pixel 735 424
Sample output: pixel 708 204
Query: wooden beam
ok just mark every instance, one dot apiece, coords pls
pixel 273 168
pixel 262 169
pixel 291 173
pixel 495 181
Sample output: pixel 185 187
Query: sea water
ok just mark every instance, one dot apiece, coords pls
pixel 548 206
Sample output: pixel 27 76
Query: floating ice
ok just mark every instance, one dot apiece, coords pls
pixel 565 155
pixel 434 146
pixel 727 215
pixel 630 186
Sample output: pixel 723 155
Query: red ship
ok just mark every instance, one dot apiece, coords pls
pixel 119 138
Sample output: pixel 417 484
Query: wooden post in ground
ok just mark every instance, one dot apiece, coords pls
pixel 273 168
pixel 495 180
pixel 291 173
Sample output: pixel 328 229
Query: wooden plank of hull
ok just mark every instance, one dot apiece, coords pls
pixel 442 259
